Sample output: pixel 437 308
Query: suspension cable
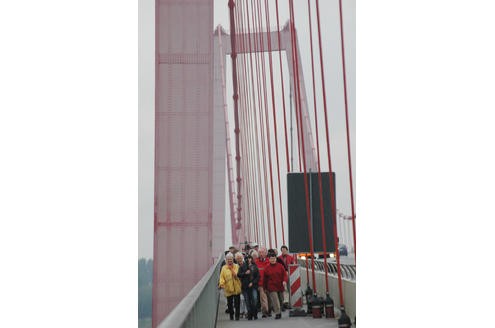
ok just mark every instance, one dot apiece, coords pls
pixel 255 135
pixel 246 208
pixel 306 191
pixel 261 133
pixel 227 143
pixel 347 129
pixel 236 112
pixel 283 90
pixel 250 105
pixel 266 121
pixel 318 153
pixel 274 118
pixel 332 196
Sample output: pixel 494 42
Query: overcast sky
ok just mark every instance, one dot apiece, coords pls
pixel 334 85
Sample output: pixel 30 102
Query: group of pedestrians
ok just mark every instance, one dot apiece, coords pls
pixel 260 276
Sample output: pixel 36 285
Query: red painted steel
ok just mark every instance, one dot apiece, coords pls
pixel 249 96
pixel 233 55
pixel 349 161
pixel 294 77
pixel 261 102
pixel 267 125
pixel 252 101
pixel 274 123
pixel 332 197
pixel 306 191
pixel 247 207
pixel 322 214
pixel 252 186
pixel 247 204
pixel 227 138
pixel 283 90
pixel 183 150
pixel 253 49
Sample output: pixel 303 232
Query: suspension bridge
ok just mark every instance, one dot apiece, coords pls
pixel 234 117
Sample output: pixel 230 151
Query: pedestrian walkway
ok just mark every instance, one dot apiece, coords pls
pixel 223 320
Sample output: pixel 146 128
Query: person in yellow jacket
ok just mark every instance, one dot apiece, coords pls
pixel 231 285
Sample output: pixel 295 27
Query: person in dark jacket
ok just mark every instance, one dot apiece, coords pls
pixel 275 281
pixel 286 259
pixel 249 275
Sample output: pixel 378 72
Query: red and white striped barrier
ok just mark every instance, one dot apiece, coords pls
pixel 295 286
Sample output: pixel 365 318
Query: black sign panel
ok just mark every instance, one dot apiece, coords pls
pixel 298 224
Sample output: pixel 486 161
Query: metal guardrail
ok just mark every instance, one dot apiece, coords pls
pixel 198 309
pixel 348 271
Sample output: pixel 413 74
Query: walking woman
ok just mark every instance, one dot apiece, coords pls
pixel 250 277
pixel 231 285
pixel 239 259
pixel 275 281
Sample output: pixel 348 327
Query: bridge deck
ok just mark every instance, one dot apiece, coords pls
pixel 223 320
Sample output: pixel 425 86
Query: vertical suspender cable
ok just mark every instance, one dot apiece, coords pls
pixel 283 92
pixel 242 113
pixel 246 209
pixel 332 196
pixel 347 128
pixel 249 148
pixel 261 135
pixel 249 165
pixel 295 86
pixel 293 92
pixel 318 152
pixel 227 143
pixel 249 152
pixel 247 135
pixel 306 191
pixel 236 114
pixel 258 172
pixel 239 111
pixel 274 117
pixel 265 124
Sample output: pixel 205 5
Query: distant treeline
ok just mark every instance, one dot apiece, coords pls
pixel 145 283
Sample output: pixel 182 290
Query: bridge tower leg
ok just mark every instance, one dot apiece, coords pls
pixel 187 190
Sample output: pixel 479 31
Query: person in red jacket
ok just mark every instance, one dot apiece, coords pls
pixel 275 281
pixel 261 262
pixel 287 259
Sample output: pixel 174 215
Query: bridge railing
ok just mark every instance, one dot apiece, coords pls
pixel 200 306
pixel 348 271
